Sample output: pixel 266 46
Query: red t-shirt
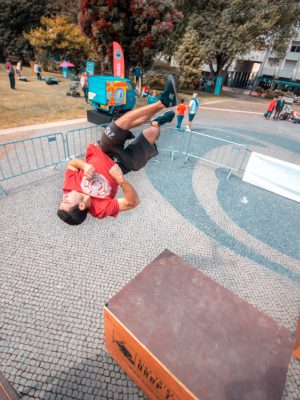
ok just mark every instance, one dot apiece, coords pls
pixel 181 109
pixel 102 187
pixel 271 105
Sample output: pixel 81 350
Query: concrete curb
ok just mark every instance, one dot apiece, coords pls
pixel 36 127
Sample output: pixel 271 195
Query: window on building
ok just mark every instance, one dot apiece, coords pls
pixel 273 62
pixel 295 48
pixel 290 65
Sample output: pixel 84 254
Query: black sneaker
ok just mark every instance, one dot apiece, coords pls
pixel 169 96
pixel 164 118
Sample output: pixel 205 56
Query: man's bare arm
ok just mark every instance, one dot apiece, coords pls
pixel 79 165
pixel 131 199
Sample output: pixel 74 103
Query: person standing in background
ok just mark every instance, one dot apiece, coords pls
pixel 84 85
pixel 181 109
pixel 209 85
pixel 193 108
pixel 278 108
pixel 270 108
pixel 38 70
pixel 138 78
pixel 9 69
pixel 19 68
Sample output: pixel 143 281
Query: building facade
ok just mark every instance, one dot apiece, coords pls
pixel 263 69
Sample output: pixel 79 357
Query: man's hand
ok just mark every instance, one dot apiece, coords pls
pixel 79 165
pixel 89 170
pixel 117 173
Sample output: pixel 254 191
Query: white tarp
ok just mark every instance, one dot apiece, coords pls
pixel 274 175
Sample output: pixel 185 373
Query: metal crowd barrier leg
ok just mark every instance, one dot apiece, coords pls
pixel 2 190
pixel 175 140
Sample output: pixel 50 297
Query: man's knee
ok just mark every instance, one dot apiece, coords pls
pixel 152 133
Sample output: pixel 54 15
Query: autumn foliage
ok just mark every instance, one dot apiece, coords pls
pixel 58 36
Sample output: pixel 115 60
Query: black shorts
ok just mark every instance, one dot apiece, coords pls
pixel 131 158
pixel 191 117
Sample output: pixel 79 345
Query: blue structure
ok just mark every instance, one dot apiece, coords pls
pixel 218 85
pixel 90 67
pixel 111 93
pixel 65 72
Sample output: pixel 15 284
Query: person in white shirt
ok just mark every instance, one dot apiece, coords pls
pixel 192 108
pixel 19 68
pixel 37 69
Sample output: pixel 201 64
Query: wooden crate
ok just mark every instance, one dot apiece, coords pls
pixel 179 335
pixel 7 392
pixel 296 352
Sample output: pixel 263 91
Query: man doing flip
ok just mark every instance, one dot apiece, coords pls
pixel 91 186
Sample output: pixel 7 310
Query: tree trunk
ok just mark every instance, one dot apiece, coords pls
pixel 222 64
pixel 211 67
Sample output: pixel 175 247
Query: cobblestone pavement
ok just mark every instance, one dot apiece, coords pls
pixel 55 279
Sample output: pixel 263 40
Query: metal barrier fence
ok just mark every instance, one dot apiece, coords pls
pixel 77 140
pixel 171 140
pixel 28 155
pixel 221 152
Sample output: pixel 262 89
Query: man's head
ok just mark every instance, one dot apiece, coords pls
pixel 195 95
pixel 74 207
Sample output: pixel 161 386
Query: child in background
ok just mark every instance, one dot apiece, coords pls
pixel 145 91
pixel 270 108
pixel 153 98
pixel 181 109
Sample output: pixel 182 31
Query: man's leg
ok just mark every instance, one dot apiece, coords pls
pixel 136 155
pixel 191 116
pixel 152 133
pixel 138 116
pixel 180 120
pixel 10 81
pixel 13 81
pixel 134 118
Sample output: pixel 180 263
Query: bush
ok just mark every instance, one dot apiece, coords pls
pixel 289 94
pixel 279 92
pixel 156 77
pixel 269 94
pixel 259 90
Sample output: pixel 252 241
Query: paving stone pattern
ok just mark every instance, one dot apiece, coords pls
pixel 55 279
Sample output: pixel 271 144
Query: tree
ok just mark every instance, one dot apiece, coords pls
pixel 69 8
pixel 188 58
pixel 17 16
pixel 231 28
pixel 140 26
pixel 58 36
